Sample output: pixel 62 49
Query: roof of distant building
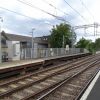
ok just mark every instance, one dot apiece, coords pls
pixel 15 37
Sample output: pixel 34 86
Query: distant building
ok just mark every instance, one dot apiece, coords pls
pixel 16 47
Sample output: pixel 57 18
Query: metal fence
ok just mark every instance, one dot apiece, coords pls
pixel 49 52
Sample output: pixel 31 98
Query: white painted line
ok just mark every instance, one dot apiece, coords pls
pixel 88 90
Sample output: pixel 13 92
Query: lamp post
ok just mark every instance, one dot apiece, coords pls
pixel 32 40
pixel 1 20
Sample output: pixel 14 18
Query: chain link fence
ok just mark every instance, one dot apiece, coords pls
pixel 49 52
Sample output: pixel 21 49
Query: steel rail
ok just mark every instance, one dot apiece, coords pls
pixel 86 86
pixel 56 85
pixel 34 82
pixel 44 70
pixel 63 82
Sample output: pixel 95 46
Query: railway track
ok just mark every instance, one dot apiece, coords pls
pixel 71 88
pixel 74 61
pixel 57 64
pixel 30 86
pixel 68 64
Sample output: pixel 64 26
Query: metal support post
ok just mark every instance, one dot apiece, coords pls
pixel 63 42
pixel 32 41
pixel 1 20
pixel 94 29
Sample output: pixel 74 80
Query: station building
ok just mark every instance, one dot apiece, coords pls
pixel 17 47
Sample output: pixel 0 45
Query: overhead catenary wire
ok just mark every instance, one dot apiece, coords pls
pixel 55 7
pixel 87 9
pixel 31 5
pixel 25 15
pixel 15 12
pixel 75 11
pixel 19 13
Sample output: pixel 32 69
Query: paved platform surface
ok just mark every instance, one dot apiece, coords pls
pixel 95 92
pixel 18 63
pixel 31 61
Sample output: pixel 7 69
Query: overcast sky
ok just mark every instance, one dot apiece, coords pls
pixel 42 22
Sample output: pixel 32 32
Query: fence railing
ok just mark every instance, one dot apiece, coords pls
pixel 49 52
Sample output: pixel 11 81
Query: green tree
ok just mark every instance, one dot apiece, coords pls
pixel 61 35
pixel 87 44
pixel 83 43
pixel 97 44
pixel 91 47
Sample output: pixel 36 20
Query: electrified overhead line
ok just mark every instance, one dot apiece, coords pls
pixel 57 17
pixel 87 9
pixel 75 11
pixel 55 7
pixel 15 12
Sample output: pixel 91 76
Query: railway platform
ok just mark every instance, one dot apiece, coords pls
pixel 23 66
pixel 58 82
pixel 93 90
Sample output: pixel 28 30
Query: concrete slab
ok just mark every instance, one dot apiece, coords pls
pixel 18 63
pixel 95 92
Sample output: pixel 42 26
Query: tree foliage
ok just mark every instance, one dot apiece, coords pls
pixel 83 43
pixel 88 44
pixel 97 44
pixel 61 33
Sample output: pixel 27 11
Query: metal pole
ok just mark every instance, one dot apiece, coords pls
pixel 1 19
pixel 94 29
pixel 63 42
pixel 32 41
pixel 72 37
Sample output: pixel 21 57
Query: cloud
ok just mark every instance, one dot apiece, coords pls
pixel 22 25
